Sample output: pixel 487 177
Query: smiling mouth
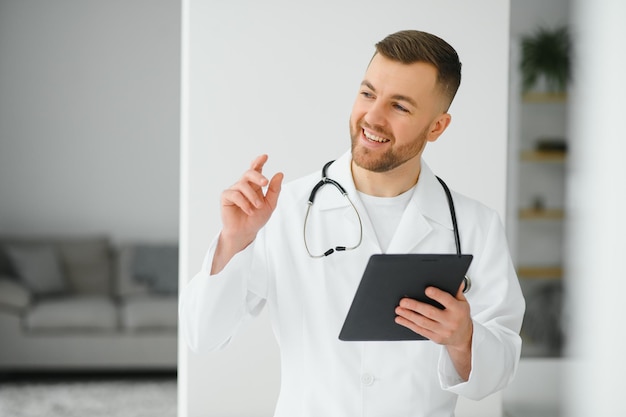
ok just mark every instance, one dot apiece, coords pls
pixel 373 138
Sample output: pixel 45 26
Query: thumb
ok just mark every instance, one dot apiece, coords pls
pixel 459 294
pixel 273 190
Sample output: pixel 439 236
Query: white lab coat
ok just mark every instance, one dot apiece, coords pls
pixel 308 300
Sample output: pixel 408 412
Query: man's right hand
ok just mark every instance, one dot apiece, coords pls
pixel 245 210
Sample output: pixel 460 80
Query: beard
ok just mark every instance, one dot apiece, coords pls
pixel 391 158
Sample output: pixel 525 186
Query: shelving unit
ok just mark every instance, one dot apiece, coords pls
pixel 545 272
pixel 536 214
pixel 541 214
pixel 543 156
pixel 544 97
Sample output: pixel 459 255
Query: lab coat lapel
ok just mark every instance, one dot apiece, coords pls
pixel 427 204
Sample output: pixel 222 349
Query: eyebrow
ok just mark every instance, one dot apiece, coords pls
pixel 395 96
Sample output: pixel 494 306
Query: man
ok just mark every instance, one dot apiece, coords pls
pixel 261 257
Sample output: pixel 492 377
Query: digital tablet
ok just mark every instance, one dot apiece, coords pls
pixel 389 278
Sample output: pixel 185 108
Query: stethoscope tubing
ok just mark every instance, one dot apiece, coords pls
pixel 326 180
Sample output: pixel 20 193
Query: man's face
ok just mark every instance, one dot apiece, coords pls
pixel 394 114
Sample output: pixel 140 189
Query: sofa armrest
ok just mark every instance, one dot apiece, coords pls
pixel 14 296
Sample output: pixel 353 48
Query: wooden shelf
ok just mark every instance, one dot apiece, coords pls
pixel 540 272
pixel 537 97
pixel 543 156
pixel 543 214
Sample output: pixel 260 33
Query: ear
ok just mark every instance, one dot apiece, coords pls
pixel 438 126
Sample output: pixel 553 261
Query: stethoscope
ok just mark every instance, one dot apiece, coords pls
pixel 325 180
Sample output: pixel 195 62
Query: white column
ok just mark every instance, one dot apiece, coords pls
pixel 280 78
pixel 597 224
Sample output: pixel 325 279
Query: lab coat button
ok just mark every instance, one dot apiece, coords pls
pixel 367 379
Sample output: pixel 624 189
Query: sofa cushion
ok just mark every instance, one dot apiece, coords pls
pixel 13 295
pixel 87 264
pixel 84 313
pixel 149 312
pixel 38 267
pixel 6 268
pixel 157 267
pixel 126 285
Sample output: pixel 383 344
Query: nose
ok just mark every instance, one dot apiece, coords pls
pixel 375 115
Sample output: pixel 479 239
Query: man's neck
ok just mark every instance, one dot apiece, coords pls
pixel 387 184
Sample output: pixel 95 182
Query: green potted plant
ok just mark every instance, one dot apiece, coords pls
pixel 546 57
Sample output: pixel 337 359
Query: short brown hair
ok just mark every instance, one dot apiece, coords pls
pixel 410 46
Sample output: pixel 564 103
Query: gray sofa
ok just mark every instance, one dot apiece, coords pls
pixel 82 304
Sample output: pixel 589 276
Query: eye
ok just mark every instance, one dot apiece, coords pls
pixel 400 108
pixel 367 94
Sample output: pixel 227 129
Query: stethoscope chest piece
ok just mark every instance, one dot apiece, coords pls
pixel 467 284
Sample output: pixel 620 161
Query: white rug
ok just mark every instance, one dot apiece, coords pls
pixel 89 399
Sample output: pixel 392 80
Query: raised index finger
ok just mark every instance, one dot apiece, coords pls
pixel 259 162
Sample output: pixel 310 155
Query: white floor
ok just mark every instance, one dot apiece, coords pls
pixel 80 398
pixel 533 393
pixel 532 411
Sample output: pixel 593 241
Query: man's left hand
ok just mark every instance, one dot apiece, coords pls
pixel 451 327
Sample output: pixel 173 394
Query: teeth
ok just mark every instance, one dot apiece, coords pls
pixel 375 138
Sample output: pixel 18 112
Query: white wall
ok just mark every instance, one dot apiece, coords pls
pixel 279 77
pixel 89 118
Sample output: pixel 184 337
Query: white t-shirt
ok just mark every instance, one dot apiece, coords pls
pixel 385 214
